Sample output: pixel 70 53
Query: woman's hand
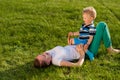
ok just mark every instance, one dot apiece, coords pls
pixel 79 49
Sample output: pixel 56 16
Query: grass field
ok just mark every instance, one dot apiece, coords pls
pixel 29 27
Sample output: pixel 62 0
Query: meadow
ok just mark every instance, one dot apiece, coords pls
pixel 29 27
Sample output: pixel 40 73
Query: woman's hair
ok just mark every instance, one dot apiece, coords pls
pixel 91 11
pixel 37 63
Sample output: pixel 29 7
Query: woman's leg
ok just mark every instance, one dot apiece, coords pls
pixel 102 33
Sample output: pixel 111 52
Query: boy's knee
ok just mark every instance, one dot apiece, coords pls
pixel 102 23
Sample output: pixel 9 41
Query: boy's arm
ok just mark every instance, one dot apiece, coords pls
pixel 88 43
pixel 76 33
pixel 71 34
pixel 90 39
pixel 92 32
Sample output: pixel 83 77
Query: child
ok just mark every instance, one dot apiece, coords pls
pixel 86 31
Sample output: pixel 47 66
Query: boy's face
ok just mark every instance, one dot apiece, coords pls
pixel 87 19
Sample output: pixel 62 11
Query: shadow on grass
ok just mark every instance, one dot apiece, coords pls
pixel 23 72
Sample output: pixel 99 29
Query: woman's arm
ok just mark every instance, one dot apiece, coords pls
pixel 79 49
pixel 71 64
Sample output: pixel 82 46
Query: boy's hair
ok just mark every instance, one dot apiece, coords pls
pixel 91 11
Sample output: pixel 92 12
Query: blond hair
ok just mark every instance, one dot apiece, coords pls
pixel 91 11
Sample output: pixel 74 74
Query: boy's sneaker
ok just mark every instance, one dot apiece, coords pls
pixel 90 55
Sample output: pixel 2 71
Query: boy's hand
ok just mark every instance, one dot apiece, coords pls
pixel 86 47
pixel 69 34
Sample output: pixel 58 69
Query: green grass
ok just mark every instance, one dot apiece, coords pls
pixel 29 27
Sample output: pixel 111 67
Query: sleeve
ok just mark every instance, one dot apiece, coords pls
pixel 92 30
pixel 56 61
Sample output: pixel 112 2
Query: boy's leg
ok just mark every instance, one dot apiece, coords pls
pixel 78 41
pixel 102 33
pixel 72 41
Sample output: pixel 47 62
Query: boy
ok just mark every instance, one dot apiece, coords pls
pixel 86 31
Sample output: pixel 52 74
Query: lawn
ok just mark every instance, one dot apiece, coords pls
pixel 29 27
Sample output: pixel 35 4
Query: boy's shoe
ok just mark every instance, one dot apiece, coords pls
pixel 90 55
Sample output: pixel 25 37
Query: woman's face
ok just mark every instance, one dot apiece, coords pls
pixel 87 19
pixel 44 59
